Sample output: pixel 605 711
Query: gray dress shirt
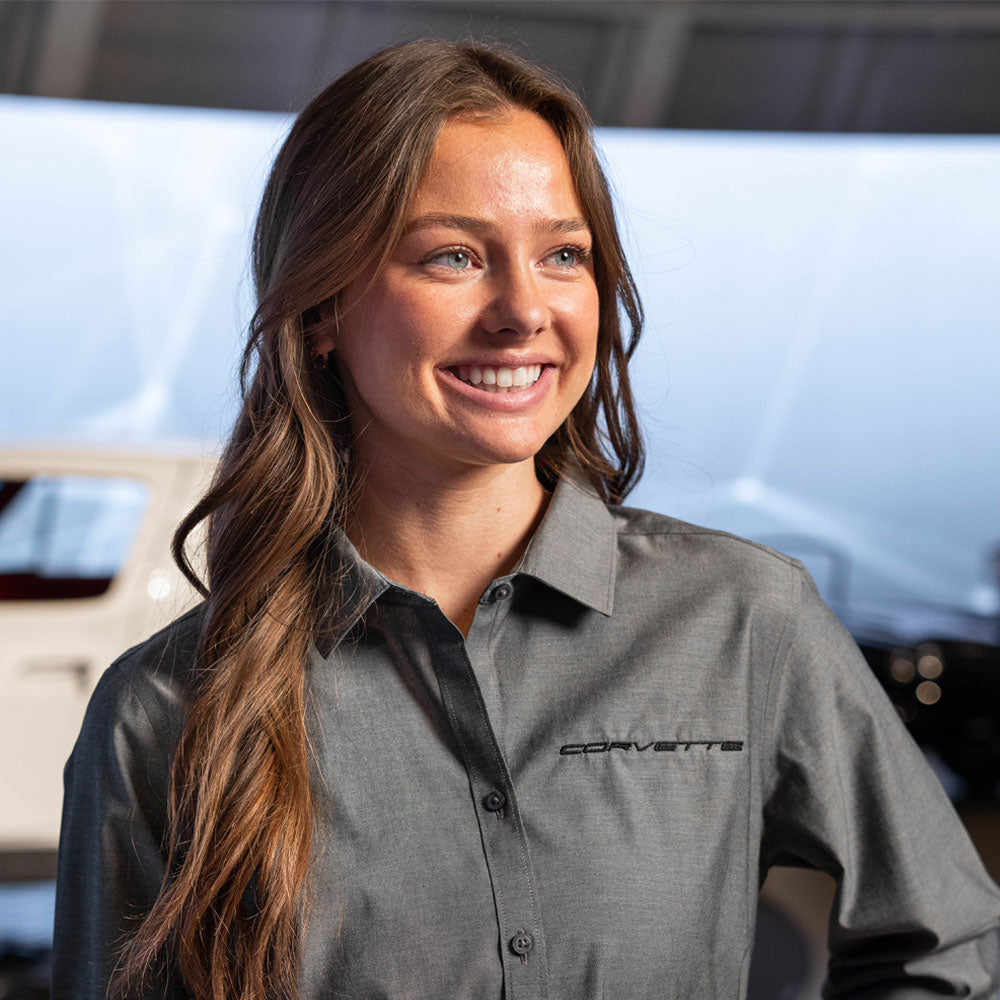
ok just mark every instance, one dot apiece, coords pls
pixel 579 800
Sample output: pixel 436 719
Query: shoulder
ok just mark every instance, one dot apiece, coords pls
pixel 143 695
pixel 654 543
pixel 167 653
pixel 164 661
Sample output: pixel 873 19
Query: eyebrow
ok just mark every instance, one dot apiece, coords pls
pixel 485 227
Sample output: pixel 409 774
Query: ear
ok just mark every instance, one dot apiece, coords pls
pixel 323 342
pixel 319 324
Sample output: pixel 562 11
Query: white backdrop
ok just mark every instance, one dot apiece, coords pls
pixel 819 369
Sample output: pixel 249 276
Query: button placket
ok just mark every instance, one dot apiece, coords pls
pixel 504 841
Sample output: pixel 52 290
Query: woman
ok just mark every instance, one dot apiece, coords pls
pixel 451 723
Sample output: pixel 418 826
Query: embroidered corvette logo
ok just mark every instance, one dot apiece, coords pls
pixel 657 746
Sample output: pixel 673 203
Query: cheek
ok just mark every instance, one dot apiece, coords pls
pixel 420 322
pixel 582 318
pixel 390 356
pixel 586 321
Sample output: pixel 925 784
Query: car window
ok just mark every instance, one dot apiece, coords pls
pixel 64 537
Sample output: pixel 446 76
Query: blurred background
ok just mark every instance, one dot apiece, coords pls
pixel 810 193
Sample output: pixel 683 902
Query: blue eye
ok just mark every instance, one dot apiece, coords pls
pixel 569 257
pixel 453 260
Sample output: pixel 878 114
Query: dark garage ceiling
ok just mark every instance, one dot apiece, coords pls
pixel 851 65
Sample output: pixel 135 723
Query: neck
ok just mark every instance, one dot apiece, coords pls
pixel 447 535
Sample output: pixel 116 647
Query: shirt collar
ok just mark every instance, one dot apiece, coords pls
pixel 575 548
pixel 360 586
pixel 573 551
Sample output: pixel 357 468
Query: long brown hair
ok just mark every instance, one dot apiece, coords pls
pixel 240 813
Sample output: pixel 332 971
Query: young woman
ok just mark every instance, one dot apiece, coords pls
pixel 451 722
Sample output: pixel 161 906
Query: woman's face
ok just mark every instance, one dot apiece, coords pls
pixel 479 336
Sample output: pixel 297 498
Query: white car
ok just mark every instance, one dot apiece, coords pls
pixel 85 572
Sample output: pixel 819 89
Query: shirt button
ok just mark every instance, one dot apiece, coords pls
pixel 521 943
pixel 502 591
pixel 495 801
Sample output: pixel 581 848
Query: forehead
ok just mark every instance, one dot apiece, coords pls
pixel 509 165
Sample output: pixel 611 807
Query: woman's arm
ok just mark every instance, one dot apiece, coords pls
pixel 848 792
pixel 111 846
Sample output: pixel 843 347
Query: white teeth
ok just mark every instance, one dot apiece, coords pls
pixel 499 379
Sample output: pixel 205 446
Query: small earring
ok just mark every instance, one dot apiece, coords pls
pixel 319 361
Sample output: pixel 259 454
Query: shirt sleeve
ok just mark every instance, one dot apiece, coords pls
pixel 847 791
pixel 111 859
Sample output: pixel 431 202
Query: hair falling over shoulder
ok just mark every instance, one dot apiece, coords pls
pixel 240 815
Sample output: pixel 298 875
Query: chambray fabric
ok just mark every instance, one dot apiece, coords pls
pixel 580 800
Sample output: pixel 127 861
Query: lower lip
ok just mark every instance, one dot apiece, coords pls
pixel 502 402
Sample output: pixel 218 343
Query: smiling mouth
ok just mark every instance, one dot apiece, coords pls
pixel 492 378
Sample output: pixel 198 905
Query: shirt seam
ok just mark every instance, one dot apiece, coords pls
pixel 752 883
pixel 612 575
pixel 773 681
pixel 725 535
pixel 121 671
pixel 491 666
pixel 752 849
pixel 149 720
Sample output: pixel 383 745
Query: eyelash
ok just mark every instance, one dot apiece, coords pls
pixel 582 254
pixel 447 252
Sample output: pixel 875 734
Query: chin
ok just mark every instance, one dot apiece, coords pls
pixel 507 454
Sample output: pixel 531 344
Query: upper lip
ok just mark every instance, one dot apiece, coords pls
pixel 501 361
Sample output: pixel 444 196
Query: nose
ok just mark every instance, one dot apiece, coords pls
pixel 517 304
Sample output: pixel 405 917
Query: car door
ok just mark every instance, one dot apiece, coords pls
pixel 85 572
